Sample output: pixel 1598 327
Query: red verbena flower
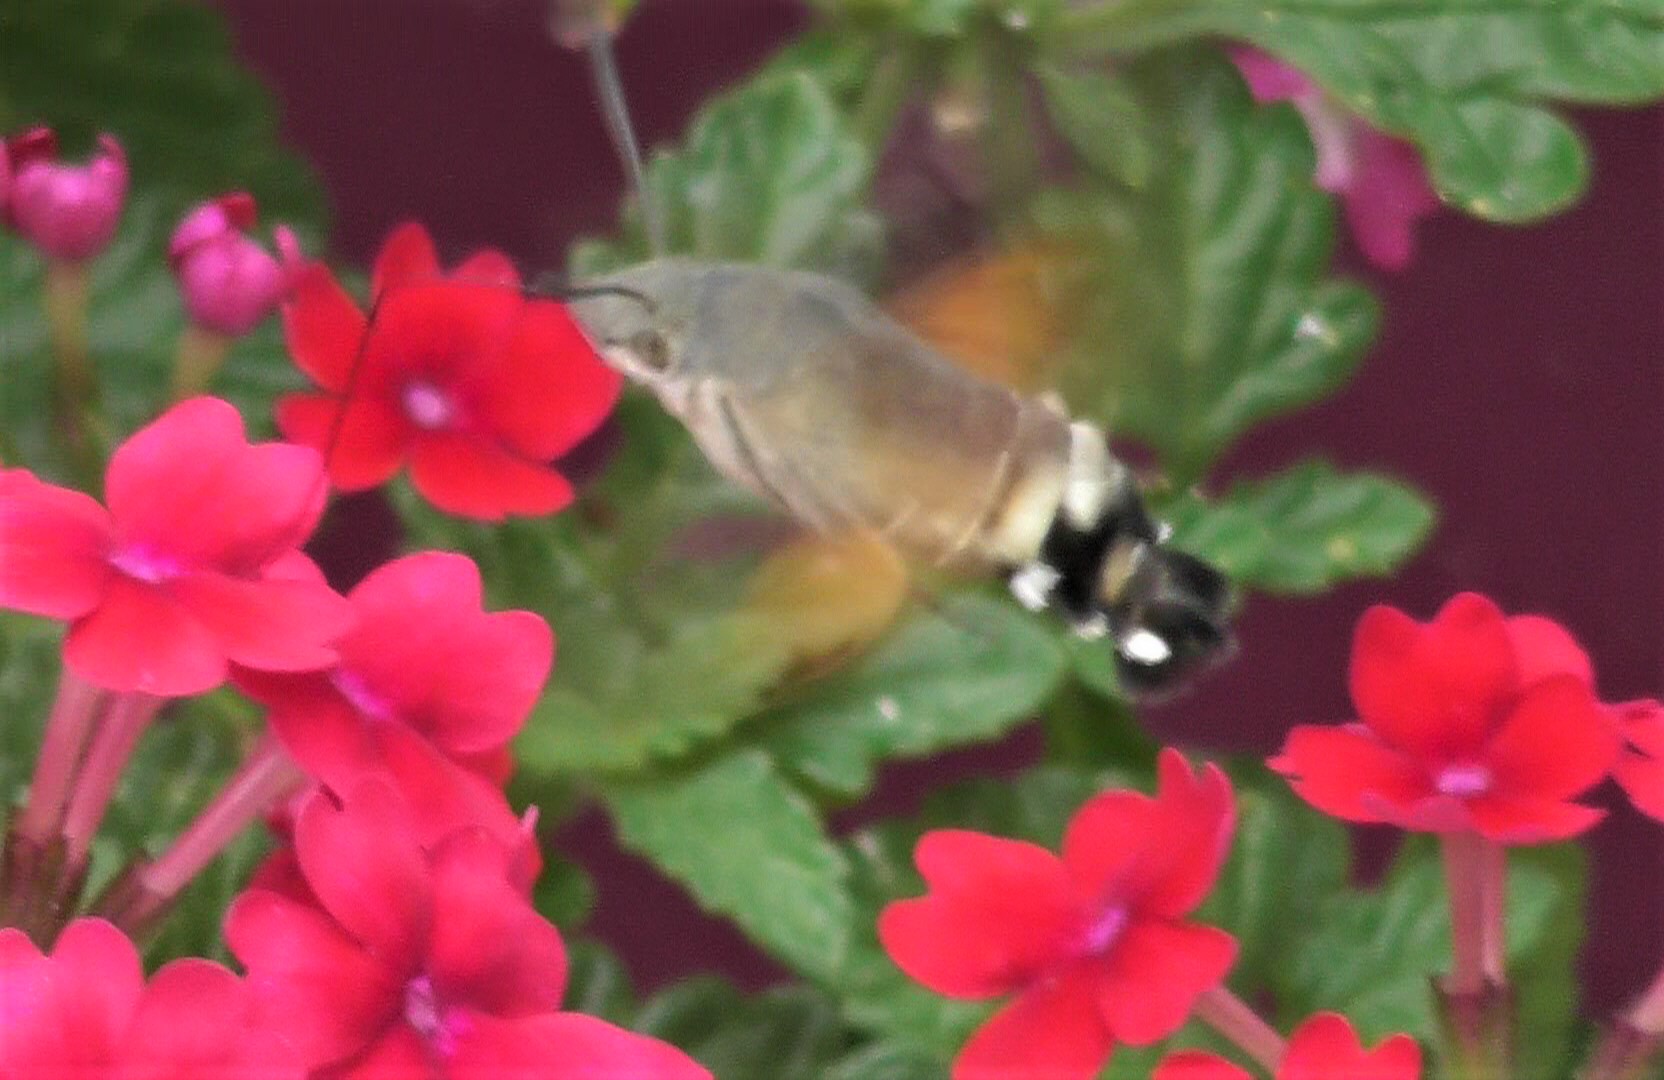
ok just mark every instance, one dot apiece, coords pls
pixel 1640 769
pixel 1323 1048
pixel 416 961
pixel 228 282
pixel 1380 178
pixel 1472 722
pixel 69 212
pixel 428 685
pixel 1094 944
pixel 195 564
pixel 85 1012
pixel 462 376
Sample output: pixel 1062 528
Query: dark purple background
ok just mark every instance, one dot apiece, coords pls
pixel 1519 379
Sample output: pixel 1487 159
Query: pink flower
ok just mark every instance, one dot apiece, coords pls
pixel 1640 769
pixel 1380 178
pixel 1323 1048
pixel 461 376
pixel 86 1012
pixel 228 282
pixel 195 564
pixel 416 961
pixel 70 212
pixel 1094 945
pixel 428 684
pixel 1472 722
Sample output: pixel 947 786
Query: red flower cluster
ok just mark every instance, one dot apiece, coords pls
pixel 429 689
pixel 1094 944
pixel 195 565
pixel 390 958
pixel 85 1011
pixel 1323 1048
pixel 460 375
pixel 1473 722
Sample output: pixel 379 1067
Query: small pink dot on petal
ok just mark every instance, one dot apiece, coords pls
pixel 1463 781
pixel 428 407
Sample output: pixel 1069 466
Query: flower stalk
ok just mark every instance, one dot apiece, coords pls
pixel 1237 1021
pixel 199 356
pixel 1475 1005
pixel 146 889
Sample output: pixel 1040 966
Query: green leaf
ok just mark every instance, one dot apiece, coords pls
pixel 1467 81
pixel 1102 119
pixel 1286 863
pixel 162 77
pixel 768 173
pixel 1306 528
pixel 787 1033
pixel 135 319
pixel 750 846
pixel 964 673
pixel 596 983
pixel 1544 970
pixel 1370 953
pixel 1206 306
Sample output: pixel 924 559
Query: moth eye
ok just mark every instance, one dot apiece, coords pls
pixel 651 349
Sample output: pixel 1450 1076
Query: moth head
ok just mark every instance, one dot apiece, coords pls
pixel 1169 619
pixel 638 318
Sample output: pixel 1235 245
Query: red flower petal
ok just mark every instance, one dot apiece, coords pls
pixel 1642 722
pixel 1434 691
pixel 323 328
pixel 1557 742
pixel 443 795
pixel 1545 648
pixel 550 389
pixel 445 333
pixel 1642 779
pixel 54 547
pixel 1105 839
pixel 490 950
pixel 321 731
pixel 1197 1065
pixel 361 450
pixel 267 625
pixel 192 1022
pixel 473 479
pixel 1151 977
pixel 312 983
pixel 140 639
pixel 1527 820
pixel 1347 773
pixel 487 267
pixel 567 1045
pixel 190 488
pixel 1325 1047
pixel 363 861
pixel 1192 834
pixel 100 969
pixel 998 913
pixel 398 1054
pixel 406 257
pixel 1053 1031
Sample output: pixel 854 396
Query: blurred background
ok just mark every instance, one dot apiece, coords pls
pixel 1518 380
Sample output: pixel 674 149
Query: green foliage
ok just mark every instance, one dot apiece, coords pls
pixel 1398 935
pixel 749 846
pixel 768 173
pixel 1208 306
pixel 788 1033
pixel 1103 120
pixel 1468 81
pixel 1305 529
pixel 961 674
pixel 161 77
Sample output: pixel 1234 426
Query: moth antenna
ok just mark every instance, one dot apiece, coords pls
pixel 582 24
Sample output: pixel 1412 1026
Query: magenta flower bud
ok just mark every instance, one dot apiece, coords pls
pixel 69 212
pixel 228 281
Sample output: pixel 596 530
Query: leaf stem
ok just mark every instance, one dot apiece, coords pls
pixel 1233 1018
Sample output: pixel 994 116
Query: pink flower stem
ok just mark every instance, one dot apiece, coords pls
pixel 196 359
pixel 124 721
pixel 1475 1009
pixel 67 727
pixel 147 889
pixel 32 851
pixel 1231 1017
